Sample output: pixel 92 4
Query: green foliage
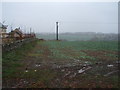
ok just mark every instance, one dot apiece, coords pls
pixel 68 49
pixel 84 45
pixel 79 36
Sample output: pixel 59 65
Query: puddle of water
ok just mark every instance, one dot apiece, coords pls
pixel 37 65
pixel 111 73
pixel 77 60
pixel 70 65
pixel 84 65
pixel 81 71
pixel 84 69
pixel 26 70
pixel 110 65
pixel 73 75
pixel 25 82
pixel 118 61
pixel 58 66
pixel 63 70
pixel 67 73
pixel 35 70
pixel 86 62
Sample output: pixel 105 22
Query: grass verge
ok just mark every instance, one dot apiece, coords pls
pixel 11 60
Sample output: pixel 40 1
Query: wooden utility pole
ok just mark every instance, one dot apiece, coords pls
pixel 11 28
pixel 56 30
pixel 30 30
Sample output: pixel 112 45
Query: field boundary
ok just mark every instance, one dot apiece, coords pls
pixel 16 44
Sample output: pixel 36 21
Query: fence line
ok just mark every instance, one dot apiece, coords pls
pixel 16 44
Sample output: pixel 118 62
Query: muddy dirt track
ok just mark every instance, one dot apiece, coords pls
pixel 42 68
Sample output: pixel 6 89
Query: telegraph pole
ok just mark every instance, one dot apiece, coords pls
pixel 56 30
pixel 11 29
pixel 30 30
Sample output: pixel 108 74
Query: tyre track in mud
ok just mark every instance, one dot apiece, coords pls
pixel 31 61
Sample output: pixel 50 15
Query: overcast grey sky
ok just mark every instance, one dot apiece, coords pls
pixel 72 16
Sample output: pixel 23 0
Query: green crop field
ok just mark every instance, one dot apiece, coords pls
pixel 65 37
pixel 75 64
pixel 74 49
pixel 79 36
